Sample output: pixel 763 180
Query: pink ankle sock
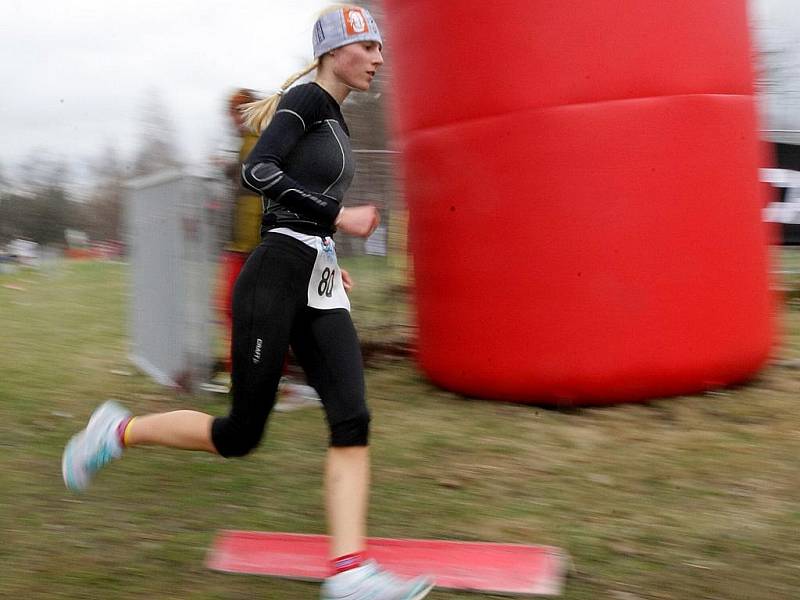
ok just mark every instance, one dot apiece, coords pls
pixel 123 425
pixel 347 562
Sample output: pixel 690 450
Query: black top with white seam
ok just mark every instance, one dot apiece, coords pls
pixel 303 163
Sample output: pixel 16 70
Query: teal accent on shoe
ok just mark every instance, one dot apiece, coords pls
pixel 66 468
pixel 94 447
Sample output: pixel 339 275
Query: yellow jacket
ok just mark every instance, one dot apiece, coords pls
pixel 247 209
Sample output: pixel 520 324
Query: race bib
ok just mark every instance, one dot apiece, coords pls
pixel 325 288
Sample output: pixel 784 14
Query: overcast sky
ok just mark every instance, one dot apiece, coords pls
pixel 74 73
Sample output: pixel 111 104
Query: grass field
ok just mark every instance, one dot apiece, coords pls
pixel 690 497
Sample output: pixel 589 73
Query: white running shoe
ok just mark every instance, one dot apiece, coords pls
pixel 91 449
pixel 294 396
pixel 370 582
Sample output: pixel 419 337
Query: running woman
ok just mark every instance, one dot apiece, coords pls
pixel 290 293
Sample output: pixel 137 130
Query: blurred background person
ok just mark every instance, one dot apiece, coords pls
pixel 244 234
pixel 245 225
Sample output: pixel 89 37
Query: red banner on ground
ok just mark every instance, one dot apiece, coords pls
pixel 473 566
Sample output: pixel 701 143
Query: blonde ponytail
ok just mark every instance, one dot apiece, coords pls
pixel 257 115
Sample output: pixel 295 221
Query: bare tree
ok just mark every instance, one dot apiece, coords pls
pixel 105 206
pixel 41 209
pixel 157 147
pixel 4 183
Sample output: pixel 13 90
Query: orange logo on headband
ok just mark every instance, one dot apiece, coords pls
pixel 355 21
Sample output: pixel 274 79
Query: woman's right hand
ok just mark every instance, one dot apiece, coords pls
pixel 360 221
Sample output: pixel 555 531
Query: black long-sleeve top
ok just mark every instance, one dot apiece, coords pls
pixel 302 164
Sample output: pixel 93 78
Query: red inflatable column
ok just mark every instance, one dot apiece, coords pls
pixel 582 182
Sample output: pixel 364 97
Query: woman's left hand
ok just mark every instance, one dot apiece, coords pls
pixel 347 281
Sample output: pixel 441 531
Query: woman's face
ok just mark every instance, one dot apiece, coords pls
pixel 355 65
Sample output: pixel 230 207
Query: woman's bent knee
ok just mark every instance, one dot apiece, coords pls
pixel 231 439
pixel 351 432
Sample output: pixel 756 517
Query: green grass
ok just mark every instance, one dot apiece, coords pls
pixel 690 497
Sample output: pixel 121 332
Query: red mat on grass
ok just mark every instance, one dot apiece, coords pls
pixel 474 566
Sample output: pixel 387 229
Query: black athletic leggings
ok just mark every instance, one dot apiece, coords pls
pixel 270 313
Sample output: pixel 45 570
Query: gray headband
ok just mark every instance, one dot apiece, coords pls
pixel 341 27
